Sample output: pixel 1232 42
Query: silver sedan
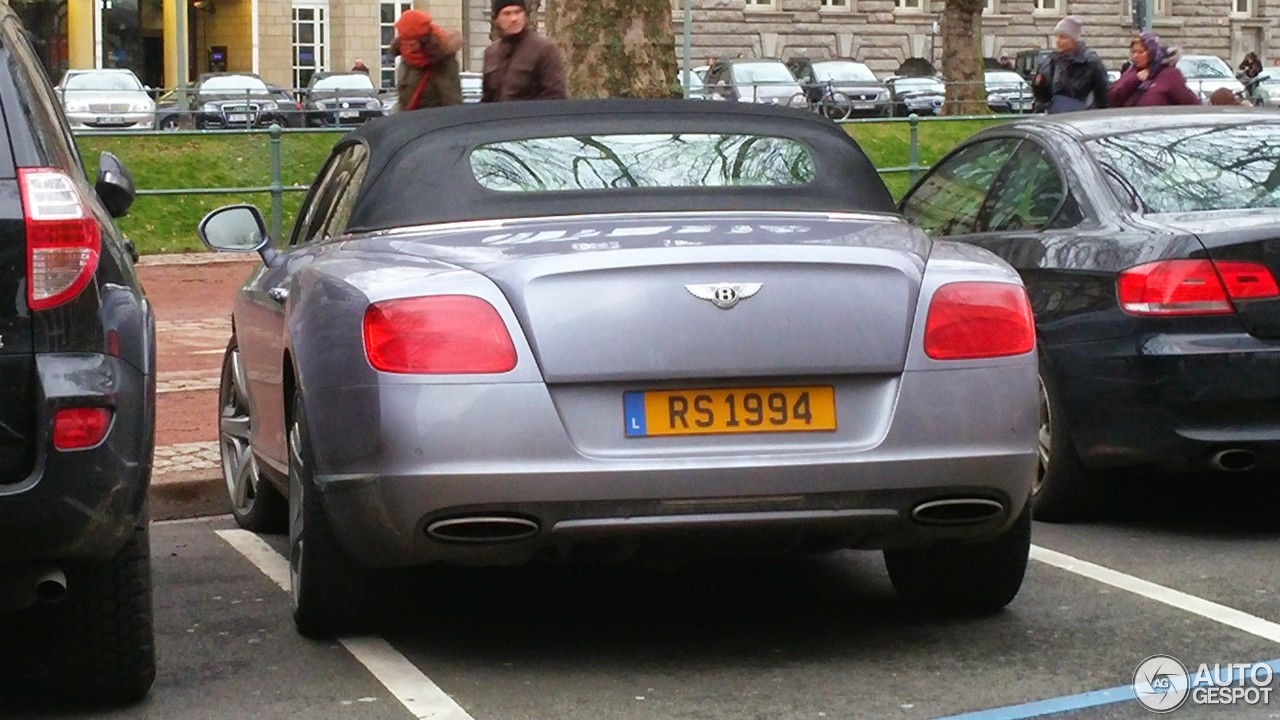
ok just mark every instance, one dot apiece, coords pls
pixel 108 99
pixel 626 329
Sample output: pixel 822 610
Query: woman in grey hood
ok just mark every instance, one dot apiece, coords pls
pixel 1073 77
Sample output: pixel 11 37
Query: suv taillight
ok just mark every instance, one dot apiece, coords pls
pixel 62 237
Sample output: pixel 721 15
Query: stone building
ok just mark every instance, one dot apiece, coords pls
pixel 884 33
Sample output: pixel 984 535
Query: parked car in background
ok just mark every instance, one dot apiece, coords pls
pixel 915 95
pixel 333 99
pixel 109 99
pixel 585 331
pixel 234 100
pixel 290 107
pixel 1008 92
pixel 77 405
pixel 472 87
pixel 857 87
pixel 1206 73
pixel 1146 241
pixel 1027 62
pixel 754 81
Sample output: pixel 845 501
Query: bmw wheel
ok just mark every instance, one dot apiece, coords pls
pixel 255 503
pixel 1064 490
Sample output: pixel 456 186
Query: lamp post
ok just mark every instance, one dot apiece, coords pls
pixel 180 27
pixel 685 60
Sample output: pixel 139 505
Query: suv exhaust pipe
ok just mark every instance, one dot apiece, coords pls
pixel 1234 460
pixel 29 585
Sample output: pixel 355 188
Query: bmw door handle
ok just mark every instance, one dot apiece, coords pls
pixel 278 294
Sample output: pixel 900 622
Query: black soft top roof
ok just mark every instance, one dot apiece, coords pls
pixel 419 170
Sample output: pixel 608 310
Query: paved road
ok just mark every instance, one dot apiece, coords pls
pixel 813 637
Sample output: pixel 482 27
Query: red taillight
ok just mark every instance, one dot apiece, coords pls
pixel 79 428
pixel 970 320
pixel 440 334
pixel 1193 287
pixel 62 237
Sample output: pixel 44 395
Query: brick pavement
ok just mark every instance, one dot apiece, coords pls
pixel 192 295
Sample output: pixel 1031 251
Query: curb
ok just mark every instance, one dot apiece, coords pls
pixel 188 494
pixel 195 258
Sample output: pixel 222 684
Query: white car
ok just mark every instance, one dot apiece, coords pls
pixel 1206 73
pixel 106 99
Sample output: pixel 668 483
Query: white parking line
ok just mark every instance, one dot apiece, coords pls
pixel 402 678
pixel 1188 603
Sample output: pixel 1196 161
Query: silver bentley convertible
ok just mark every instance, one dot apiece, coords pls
pixel 589 330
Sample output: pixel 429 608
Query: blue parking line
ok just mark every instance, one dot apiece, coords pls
pixel 1071 703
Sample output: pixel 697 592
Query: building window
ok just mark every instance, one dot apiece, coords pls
pixel 834 4
pixel 390 12
pixel 759 4
pixel 911 5
pixel 310 42
pixel 990 7
pixel 1242 7
pixel 1049 6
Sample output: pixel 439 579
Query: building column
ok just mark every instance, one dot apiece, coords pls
pixel 175 31
pixel 80 42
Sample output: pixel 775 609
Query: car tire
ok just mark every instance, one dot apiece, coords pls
pixel 964 578
pixel 170 124
pixel 103 647
pixel 331 593
pixel 255 503
pixel 1064 489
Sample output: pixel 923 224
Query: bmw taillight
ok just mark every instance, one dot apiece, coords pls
pixel 1193 287
pixel 80 428
pixel 62 237
pixel 971 320
pixel 438 334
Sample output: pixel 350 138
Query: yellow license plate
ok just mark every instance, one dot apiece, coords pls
pixel 729 410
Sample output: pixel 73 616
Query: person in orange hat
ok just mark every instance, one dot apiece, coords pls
pixel 428 73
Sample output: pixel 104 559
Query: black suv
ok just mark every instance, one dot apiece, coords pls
pixel 77 405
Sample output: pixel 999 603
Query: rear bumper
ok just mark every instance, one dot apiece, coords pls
pixel 85 503
pixel 1173 402
pixel 445 452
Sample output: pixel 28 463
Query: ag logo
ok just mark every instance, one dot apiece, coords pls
pixel 1161 683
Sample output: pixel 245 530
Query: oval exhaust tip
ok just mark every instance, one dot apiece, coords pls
pixel 1235 460
pixel 957 511
pixel 483 529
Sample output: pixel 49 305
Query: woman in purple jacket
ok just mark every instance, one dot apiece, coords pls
pixel 1153 79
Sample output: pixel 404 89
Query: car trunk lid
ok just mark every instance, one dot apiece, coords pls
pixel 632 300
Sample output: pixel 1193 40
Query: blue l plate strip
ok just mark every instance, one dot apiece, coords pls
pixel 633 414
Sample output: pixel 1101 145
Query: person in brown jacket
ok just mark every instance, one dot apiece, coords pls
pixel 428 73
pixel 521 64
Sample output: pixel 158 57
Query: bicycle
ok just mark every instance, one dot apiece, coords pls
pixel 832 103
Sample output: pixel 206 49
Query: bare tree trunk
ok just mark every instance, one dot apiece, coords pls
pixel 616 48
pixel 962 58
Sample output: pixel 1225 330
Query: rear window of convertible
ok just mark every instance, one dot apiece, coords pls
pixel 650 160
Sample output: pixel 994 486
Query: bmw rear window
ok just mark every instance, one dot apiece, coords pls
pixel 1196 169
pixel 649 160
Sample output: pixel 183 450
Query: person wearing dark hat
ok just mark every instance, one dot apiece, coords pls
pixel 520 64
pixel 1073 77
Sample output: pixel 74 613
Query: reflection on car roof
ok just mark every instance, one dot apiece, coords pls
pixel 1100 123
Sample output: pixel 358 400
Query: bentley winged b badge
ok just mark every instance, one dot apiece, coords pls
pixel 724 295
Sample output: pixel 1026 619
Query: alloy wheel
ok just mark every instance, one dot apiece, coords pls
pixel 239 466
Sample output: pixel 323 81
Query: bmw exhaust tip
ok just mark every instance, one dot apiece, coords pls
pixel 483 529
pixel 1234 460
pixel 957 511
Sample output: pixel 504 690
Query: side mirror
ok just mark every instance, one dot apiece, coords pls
pixel 234 228
pixel 115 185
